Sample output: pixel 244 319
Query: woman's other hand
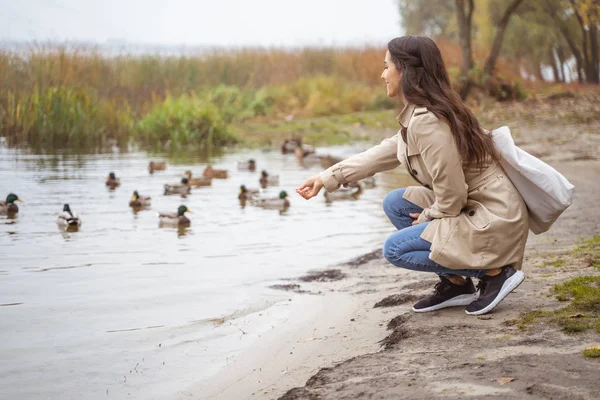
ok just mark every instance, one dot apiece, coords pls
pixel 416 217
pixel 311 187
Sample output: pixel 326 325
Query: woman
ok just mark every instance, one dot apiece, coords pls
pixel 465 220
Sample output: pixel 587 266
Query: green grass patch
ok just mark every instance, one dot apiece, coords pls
pixel 581 314
pixel 592 352
pixel 559 262
pixel 590 251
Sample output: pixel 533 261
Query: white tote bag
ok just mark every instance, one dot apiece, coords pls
pixel 546 191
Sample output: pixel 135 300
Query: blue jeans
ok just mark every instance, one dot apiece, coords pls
pixel 405 248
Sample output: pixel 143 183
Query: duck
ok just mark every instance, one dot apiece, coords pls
pixel 197 182
pixel 175 219
pixel 67 219
pixel 210 172
pixel 138 201
pixel 9 206
pixel 249 165
pixel 268 180
pixel 305 157
pixel 178 188
pixel 156 166
pixel 329 160
pixel 280 202
pixel 352 191
pixel 112 181
pixel 247 194
pixel 290 145
pixel 369 183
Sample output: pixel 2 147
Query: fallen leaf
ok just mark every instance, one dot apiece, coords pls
pixel 505 380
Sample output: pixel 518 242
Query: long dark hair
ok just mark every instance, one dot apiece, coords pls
pixel 425 83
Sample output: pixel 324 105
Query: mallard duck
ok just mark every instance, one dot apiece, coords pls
pixel 178 188
pixel 288 146
pixel 156 166
pixel 247 194
pixel 268 180
pixel 175 219
pixel 351 192
pixel 197 182
pixel 210 172
pixel 329 160
pixel 138 201
pixel 280 202
pixel 249 165
pixel 369 182
pixel 112 181
pixel 305 157
pixel 9 206
pixel 67 219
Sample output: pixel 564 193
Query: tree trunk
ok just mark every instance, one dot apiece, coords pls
pixel 595 68
pixel 554 65
pixel 538 72
pixel 574 50
pixel 488 69
pixel 561 63
pixel 464 31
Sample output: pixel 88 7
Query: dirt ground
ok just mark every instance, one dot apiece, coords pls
pixel 448 354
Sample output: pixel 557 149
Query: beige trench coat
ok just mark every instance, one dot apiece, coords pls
pixel 478 218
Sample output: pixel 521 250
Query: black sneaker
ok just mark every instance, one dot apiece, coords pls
pixel 493 289
pixel 447 294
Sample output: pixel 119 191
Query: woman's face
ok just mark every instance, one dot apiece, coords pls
pixel 392 77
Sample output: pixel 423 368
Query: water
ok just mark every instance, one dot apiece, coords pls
pixel 124 308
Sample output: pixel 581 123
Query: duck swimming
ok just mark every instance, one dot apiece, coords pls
pixel 249 165
pixel 112 181
pixel 268 180
pixel 247 194
pixel 344 193
pixel 175 219
pixel 178 188
pixel 138 201
pixel 197 182
pixel 156 166
pixel 210 172
pixel 280 202
pixel 67 219
pixel 9 206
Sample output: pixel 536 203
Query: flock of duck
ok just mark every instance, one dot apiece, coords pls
pixel 305 155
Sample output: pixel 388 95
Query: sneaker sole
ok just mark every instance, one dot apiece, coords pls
pixel 511 284
pixel 461 300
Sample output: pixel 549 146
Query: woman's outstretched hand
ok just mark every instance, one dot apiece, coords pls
pixel 311 187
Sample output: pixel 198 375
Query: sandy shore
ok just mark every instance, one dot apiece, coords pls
pixel 358 339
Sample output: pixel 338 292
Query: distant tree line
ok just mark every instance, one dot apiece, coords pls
pixel 533 35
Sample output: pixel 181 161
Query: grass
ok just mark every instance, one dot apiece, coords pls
pixel 65 96
pixel 582 294
pixel 592 352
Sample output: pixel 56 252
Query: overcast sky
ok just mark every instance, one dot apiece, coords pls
pixel 203 22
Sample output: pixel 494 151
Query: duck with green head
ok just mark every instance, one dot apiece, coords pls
pixel 9 206
pixel 138 201
pixel 182 188
pixel 281 202
pixel 175 219
pixel 67 218
pixel 112 181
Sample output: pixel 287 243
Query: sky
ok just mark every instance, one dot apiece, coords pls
pixel 232 23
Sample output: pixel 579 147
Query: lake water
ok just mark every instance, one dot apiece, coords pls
pixel 125 309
